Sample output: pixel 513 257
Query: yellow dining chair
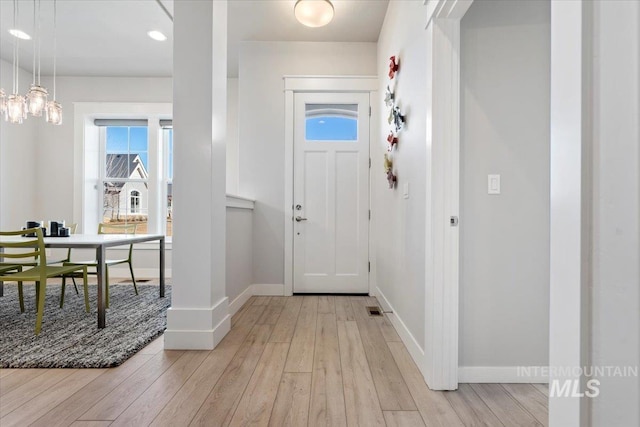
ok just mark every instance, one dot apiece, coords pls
pixel 28 248
pixel 106 228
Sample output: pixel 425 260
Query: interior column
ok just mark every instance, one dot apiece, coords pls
pixel 198 318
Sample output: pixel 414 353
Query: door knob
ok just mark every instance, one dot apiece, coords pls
pixel 299 218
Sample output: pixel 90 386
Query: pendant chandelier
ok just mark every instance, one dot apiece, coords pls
pixel 15 108
pixel 37 95
pixel 54 109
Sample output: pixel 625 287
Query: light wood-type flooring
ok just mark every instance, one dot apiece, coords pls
pixel 296 361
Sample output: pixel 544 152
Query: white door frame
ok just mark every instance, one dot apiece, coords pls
pixel 440 365
pixel 568 327
pixel 299 84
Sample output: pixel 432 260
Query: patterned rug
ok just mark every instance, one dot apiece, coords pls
pixel 70 337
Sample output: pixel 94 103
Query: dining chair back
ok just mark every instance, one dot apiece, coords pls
pixel 30 248
pixel 129 228
pixel 72 228
pixel 109 228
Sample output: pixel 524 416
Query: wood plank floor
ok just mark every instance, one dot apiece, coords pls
pixel 312 360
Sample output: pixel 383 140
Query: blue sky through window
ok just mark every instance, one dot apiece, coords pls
pixel 331 129
pixel 133 140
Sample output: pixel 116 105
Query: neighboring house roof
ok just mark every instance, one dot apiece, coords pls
pixel 123 165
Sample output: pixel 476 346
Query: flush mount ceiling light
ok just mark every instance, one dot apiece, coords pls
pixel 314 13
pixel 19 34
pixel 157 35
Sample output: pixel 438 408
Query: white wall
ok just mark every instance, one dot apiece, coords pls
pixel 615 322
pixel 261 123
pixel 232 136
pixel 19 162
pixel 399 224
pixel 239 251
pixel 504 239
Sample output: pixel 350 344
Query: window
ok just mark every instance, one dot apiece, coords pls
pixel 135 201
pixel 331 122
pixel 133 168
pixel 125 176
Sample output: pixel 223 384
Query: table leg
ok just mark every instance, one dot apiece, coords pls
pixel 161 267
pixel 1 283
pixel 102 287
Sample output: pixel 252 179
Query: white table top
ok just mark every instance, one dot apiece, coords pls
pixel 89 240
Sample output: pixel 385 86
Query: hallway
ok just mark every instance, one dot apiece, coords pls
pixel 312 360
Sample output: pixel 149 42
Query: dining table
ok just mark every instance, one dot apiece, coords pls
pixel 100 242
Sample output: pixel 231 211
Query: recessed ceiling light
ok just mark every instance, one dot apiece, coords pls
pixel 314 13
pixel 19 34
pixel 157 35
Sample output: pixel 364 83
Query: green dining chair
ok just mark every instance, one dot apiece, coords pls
pixel 72 228
pixel 107 228
pixel 29 248
pixel 8 268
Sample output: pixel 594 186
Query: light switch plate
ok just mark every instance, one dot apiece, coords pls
pixel 493 184
pixel 405 192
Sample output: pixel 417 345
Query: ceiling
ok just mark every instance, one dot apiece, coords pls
pixel 109 38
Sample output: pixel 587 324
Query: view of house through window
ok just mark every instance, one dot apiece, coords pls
pixel 125 176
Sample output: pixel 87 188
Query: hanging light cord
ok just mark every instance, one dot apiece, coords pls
pixel 35 37
pixel 39 40
pixel 15 41
pixel 55 45
pixel 0 45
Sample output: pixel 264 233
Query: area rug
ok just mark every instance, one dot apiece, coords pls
pixel 70 337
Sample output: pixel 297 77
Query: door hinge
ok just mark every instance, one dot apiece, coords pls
pixel 369 110
pixel 369 266
pixel 369 213
pixel 369 162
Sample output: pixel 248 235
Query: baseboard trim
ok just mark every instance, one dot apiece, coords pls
pixel 197 328
pixel 416 352
pixel 502 374
pixel 240 300
pixel 271 289
pixel 255 289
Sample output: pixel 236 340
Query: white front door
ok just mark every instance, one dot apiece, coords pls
pixel 331 193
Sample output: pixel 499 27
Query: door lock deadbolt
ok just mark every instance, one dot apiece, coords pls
pixel 298 207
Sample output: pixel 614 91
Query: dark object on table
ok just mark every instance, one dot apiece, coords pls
pixel 54 226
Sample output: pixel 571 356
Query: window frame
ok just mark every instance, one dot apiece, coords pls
pixel 104 179
pixel 86 189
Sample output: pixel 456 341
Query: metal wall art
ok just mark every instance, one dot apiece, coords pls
pixel 396 121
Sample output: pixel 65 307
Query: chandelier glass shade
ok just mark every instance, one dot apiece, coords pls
pixel 54 113
pixel 16 108
pixel 3 104
pixel 37 99
pixel 313 13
